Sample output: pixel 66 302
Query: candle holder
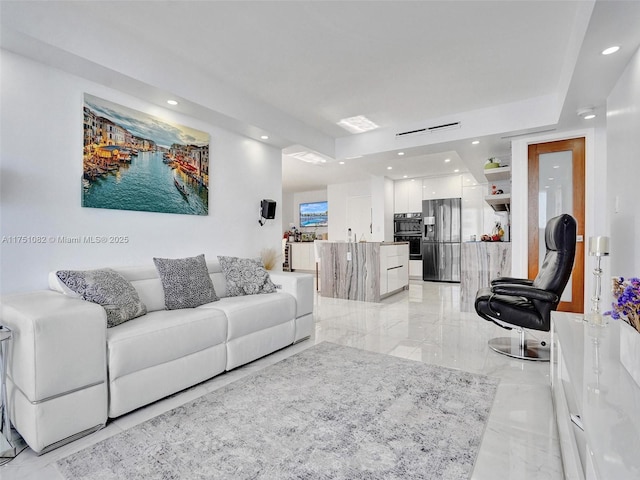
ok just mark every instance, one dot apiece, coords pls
pixel 598 247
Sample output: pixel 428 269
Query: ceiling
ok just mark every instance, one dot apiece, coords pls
pixel 292 70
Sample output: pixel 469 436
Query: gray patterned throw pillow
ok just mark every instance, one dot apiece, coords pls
pixel 185 281
pixel 108 288
pixel 245 276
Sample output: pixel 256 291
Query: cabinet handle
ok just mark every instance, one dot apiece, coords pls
pixel 577 421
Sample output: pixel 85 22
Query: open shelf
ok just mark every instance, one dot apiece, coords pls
pixel 497 174
pixel 500 202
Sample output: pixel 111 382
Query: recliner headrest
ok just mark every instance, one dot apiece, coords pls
pixel 560 233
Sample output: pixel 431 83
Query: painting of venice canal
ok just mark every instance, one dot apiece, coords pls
pixel 134 161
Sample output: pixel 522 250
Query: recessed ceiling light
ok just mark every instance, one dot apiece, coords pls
pixel 610 50
pixel 550 178
pixel 456 170
pixel 405 176
pixel 341 163
pixel 546 186
pixel 447 160
pixel 264 137
pixel 413 179
pixel 172 102
pixel 556 166
pixel 475 142
pixel 400 153
pixel 433 193
pixel 357 124
pixel 586 113
pixel 389 168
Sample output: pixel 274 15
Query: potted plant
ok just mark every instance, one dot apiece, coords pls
pixel 626 307
pixel 493 162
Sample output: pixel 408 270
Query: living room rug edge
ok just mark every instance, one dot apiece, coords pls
pixel 328 412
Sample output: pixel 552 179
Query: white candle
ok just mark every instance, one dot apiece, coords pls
pixel 599 246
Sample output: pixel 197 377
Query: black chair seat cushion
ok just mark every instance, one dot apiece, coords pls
pixel 514 310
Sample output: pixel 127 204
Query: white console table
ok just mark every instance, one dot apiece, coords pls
pixel 596 402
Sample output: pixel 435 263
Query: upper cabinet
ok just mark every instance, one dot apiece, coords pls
pixel 408 196
pixel 442 187
pixel 500 178
pixel 409 193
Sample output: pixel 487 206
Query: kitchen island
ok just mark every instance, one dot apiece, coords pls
pixel 366 271
pixel 480 263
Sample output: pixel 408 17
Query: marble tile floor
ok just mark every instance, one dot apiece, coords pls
pixel 425 324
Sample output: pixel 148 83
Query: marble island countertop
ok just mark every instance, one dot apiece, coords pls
pixel 363 271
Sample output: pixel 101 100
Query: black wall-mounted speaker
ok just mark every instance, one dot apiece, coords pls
pixel 268 209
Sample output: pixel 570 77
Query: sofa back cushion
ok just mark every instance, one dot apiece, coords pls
pixel 146 281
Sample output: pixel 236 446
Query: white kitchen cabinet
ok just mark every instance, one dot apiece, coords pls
pixel 595 400
pixel 449 186
pixel 401 196
pixel 415 196
pixel 415 269
pixel 394 268
pixel 303 256
pixel 408 196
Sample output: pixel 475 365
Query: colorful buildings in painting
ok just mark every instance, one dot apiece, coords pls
pixel 106 144
pixel 192 160
pixel 101 131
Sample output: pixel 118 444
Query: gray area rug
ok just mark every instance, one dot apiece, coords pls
pixel 329 412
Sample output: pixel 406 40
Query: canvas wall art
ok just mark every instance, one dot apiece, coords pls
pixel 135 161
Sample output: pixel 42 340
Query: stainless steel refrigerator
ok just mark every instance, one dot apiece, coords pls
pixel 441 236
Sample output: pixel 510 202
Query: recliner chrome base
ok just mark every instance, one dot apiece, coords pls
pixel 520 348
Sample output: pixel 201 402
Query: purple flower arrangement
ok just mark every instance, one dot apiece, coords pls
pixel 626 304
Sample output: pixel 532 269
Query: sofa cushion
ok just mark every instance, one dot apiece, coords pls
pixel 107 288
pixel 251 313
pixel 245 276
pixel 185 281
pixel 162 336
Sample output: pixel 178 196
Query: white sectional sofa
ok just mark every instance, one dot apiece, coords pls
pixel 67 373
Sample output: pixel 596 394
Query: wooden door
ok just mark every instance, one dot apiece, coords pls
pixel 556 186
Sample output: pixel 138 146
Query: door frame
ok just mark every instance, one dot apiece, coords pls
pixel 595 195
pixel 577 145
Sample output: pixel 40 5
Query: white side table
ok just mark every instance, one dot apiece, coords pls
pixel 8 449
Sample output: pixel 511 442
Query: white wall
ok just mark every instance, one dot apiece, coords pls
pixel 288 215
pixel 623 171
pixel 40 186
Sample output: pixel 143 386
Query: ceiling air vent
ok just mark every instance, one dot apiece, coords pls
pixel 434 129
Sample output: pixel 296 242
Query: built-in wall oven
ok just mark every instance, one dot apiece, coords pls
pixel 407 227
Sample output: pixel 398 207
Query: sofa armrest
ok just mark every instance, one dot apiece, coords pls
pixel 300 285
pixel 58 343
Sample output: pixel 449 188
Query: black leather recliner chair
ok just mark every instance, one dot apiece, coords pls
pixel 521 303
